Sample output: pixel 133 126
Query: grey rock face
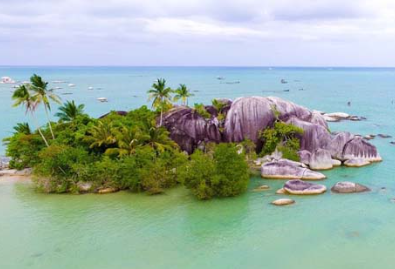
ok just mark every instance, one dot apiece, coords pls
pixel 247 116
pixel 188 129
pixel 321 159
pixel 284 169
pixel 300 187
pixel 349 187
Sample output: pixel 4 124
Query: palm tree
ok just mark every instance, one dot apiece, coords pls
pixel 70 111
pixel 22 128
pixel 183 93
pixel 159 139
pixel 128 139
pixel 160 94
pixel 22 96
pixel 43 95
pixel 101 135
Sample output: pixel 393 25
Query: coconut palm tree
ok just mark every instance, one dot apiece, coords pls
pixel 160 96
pixel 101 135
pixel 43 95
pixel 159 140
pixel 127 139
pixel 22 97
pixel 69 111
pixel 182 93
pixel 22 128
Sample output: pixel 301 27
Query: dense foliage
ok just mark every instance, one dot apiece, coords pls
pixel 127 152
pixel 283 137
pixel 221 174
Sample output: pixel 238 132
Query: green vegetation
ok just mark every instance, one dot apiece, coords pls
pixel 128 152
pixel 201 110
pixel 221 174
pixel 283 137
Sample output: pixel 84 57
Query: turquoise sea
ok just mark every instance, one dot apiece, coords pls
pixel 174 230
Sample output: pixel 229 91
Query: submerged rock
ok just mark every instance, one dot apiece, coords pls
pixel 84 186
pixel 300 187
pixel 281 191
pixel 107 190
pixel 348 187
pixel 285 169
pixel 283 201
pixel 262 188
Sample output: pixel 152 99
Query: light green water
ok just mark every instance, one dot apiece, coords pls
pixel 125 230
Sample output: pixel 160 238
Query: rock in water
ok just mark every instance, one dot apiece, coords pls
pixel 358 148
pixel 304 156
pixel 321 159
pixel 284 201
pixel 348 187
pixel 300 187
pixel 358 162
pixel 262 188
pixel 107 190
pixel 281 191
pixel 247 116
pixel 284 169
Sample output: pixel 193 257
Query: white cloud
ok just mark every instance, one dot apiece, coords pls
pixel 70 26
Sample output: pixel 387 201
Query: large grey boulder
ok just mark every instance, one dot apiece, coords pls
pixel 348 187
pixel 358 148
pixel 284 169
pixel 300 187
pixel 321 159
pixel 188 129
pixel 357 162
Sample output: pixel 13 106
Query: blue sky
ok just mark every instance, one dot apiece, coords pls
pixel 198 32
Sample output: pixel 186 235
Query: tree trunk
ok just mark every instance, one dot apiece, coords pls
pixel 49 122
pixel 39 130
pixel 161 115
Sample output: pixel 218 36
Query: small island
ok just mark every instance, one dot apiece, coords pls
pixel 210 149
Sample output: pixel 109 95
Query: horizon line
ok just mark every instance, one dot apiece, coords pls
pixel 205 66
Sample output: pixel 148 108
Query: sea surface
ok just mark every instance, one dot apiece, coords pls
pixel 174 230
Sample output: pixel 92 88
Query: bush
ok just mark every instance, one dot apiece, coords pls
pixel 284 137
pixel 223 174
pixel 201 110
pixel 23 150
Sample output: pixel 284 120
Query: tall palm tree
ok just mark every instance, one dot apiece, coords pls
pixel 182 93
pixel 160 94
pixel 69 111
pixel 22 97
pixel 43 95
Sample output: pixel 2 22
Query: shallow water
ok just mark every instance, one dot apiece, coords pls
pixel 127 230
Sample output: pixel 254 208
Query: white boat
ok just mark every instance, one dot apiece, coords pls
pixel 7 80
pixel 58 81
pixel 90 88
pixel 71 85
pixel 102 99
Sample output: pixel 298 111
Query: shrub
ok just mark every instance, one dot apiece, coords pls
pixel 23 150
pixel 201 110
pixel 223 174
pixel 284 137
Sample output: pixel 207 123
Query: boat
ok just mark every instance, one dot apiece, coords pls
pixel 102 99
pixel 58 81
pixel 220 78
pixel 7 80
pixel 71 85
pixel 90 88
pixel 283 81
pixel 58 88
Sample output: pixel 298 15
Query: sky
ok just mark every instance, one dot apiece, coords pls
pixel 198 32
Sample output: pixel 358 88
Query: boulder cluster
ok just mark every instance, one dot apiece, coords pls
pixel 245 117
